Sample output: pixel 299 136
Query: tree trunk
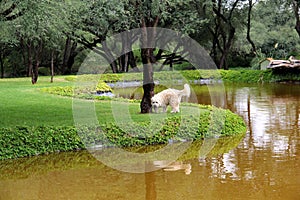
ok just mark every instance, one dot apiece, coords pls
pixel 227 48
pixel 66 57
pixel 249 26
pixel 52 66
pixel 132 61
pixel 110 58
pixel 123 63
pixel 297 16
pixel 148 40
pixel 74 52
pixel 126 46
pixel 213 52
pixel 35 72
pixel 35 69
pixel 222 21
pixel 29 60
pixel 114 67
pixel 23 49
pixel 148 83
pixel 70 53
pixel 2 65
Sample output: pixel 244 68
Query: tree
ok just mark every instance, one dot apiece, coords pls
pixel 152 14
pixel 251 3
pixel 97 21
pixel 226 20
pixel 296 9
pixel 11 10
pixel 272 28
pixel 40 30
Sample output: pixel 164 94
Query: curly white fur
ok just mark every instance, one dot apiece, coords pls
pixel 170 97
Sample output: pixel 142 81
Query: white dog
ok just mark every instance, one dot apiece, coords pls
pixel 170 97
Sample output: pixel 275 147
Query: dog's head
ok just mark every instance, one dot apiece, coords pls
pixel 155 103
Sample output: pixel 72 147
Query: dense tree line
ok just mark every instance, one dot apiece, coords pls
pixel 53 37
pixel 36 35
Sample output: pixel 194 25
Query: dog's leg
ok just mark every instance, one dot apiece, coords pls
pixel 164 109
pixel 175 108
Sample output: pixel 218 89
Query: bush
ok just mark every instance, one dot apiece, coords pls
pixel 25 141
pixel 79 91
pixel 22 141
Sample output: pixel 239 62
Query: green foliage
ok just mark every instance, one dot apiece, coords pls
pixel 44 26
pixel 164 76
pixel 59 90
pixel 257 60
pixel 79 91
pixel 38 123
pixel 272 30
pixel 259 76
pixel 103 87
pixel 22 141
pixel 111 78
pixel 237 76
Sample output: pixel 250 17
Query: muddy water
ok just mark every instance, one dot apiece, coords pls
pixel 263 164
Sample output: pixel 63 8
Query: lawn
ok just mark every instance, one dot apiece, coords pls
pixel 23 104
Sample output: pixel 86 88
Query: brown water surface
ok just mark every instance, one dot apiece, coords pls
pixel 264 164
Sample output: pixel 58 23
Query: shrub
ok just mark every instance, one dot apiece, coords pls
pixel 79 91
pixel 25 141
pixel 22 141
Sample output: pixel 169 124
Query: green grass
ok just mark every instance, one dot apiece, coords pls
pixel 33 122
pixel 23 104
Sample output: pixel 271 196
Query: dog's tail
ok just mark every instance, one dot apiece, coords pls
pixel 186 90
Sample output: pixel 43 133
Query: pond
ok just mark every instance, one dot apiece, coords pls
pixel 263 164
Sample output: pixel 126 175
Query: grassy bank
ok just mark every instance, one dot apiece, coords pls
pixel 236 76
pixel 33 122
pixel 259 76
pixel 22 141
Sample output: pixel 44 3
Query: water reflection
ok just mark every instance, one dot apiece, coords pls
pixel 272 114
pixel 263 164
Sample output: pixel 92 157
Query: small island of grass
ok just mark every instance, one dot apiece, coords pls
pixel 35 122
